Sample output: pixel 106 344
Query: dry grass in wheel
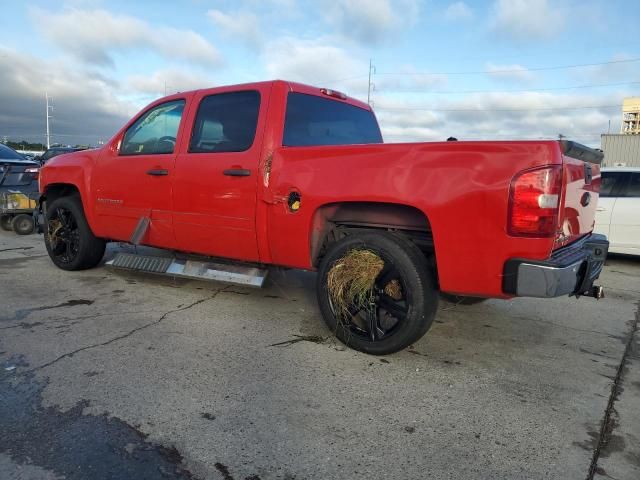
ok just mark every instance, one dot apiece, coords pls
pixel 351 280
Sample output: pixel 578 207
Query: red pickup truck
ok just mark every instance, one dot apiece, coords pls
pixel 279 173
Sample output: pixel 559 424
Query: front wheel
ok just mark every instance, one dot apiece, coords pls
pixel 376 292
pixel 70 242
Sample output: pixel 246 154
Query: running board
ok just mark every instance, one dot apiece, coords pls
pixel 195 269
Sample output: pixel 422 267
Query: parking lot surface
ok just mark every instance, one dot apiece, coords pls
pixel 107 374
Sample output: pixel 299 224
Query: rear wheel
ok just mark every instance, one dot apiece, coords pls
pixel 23 224
pixel 70 242
pixel 389 310
pixel 5 222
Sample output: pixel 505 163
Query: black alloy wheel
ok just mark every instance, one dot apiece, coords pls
pixel 63 235
pixel 396 311
pixel 384 311
pixel 69 240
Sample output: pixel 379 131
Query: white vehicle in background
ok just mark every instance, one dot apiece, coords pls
pixel 618 211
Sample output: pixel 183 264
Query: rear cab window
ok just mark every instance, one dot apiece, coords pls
pixel 311 120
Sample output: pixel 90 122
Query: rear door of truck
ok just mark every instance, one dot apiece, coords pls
pixel 216 174
pixel 581 179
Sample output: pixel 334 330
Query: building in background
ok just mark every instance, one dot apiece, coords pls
pixel 630 116
pixel 621 150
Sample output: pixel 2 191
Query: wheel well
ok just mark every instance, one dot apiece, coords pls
pixel 334 221
pixel 57 190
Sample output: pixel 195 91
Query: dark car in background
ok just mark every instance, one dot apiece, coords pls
pixel 18 190
pixel 55 151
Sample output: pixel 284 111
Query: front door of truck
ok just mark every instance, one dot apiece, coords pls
pixel 133 177
pixel 216 175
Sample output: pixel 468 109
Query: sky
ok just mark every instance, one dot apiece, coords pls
pixel 475 69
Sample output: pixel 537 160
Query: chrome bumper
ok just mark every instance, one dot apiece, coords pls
pixel 569 271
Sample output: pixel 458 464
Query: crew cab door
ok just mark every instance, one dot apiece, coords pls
pixel 216 174
pixel 610 188
pixel 625 219
pixel 133 177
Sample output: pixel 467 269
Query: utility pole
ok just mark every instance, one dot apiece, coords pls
pixel 371 87
pixel 49 108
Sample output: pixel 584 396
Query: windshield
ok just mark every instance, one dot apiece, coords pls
pixel 7 153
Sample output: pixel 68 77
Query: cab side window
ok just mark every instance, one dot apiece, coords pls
pixel 226 122
pixel 154 132
pixel 611 183
pixel 633 188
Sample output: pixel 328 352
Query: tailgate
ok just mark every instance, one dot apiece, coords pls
pixel 581 182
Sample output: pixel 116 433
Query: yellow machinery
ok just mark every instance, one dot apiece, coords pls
pixel 17 212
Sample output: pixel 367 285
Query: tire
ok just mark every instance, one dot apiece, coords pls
pixel 5 222
pixel 23 224
pixel 461 299
pixel 70 242
pixel 374 329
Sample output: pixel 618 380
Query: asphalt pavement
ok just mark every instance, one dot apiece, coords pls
pixel 112 375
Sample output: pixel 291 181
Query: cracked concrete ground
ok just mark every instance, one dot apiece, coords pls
pixel 105 374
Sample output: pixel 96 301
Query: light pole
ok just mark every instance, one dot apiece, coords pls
pixel 48 116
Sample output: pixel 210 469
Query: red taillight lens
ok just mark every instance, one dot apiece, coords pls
pixel 534 201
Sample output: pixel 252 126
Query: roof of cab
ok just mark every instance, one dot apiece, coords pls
pixel 292 86
pixel 621 169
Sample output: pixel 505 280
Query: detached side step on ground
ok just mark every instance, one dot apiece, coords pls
pixel 188 268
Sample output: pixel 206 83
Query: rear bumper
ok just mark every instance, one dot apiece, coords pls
pixel 569 271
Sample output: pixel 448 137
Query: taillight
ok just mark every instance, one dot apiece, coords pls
pixel 534 200
pixel 33 172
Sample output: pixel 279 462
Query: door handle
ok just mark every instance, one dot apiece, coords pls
pixel 237 172
pixel 158 172
pixel 601 209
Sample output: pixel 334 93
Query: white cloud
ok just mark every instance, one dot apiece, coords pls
pixel 528 19
pixel 317 62
pixel 497 116
pixel 370 21
pixel 167 81
pixel 458 11
pixel 240 25
pixel 409 79
pixel 86 105
pixel 94 35
pixel 618 71
pixel 513 72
